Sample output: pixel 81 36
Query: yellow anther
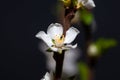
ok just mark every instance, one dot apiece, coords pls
pixel 59 40
pixel 79 5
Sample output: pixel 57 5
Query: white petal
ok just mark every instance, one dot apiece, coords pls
pixel 89 4
pixel 55 29
pixel 54 49
pixel 42 35
pixel 42 79
pixel 80 1
pixel 70 61
pixel 47 76
pixel 71 35
pixel 71 46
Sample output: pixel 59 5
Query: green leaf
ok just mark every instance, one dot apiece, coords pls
pixel 83 70
pixel 86 16
pixel 105 44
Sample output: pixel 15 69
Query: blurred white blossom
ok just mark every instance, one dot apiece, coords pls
pixel 86 3
pixel 47 76
pixel 92 50
pixel 55 38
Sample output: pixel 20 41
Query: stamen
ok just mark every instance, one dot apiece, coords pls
pixel 59 40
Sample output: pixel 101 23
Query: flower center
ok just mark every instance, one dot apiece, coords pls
pixel 59 41
pixel 79 5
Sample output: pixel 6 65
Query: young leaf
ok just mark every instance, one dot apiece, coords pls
pixel 49 50
pixel 83 70
pixel 86 16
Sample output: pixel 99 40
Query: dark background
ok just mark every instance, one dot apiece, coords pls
pixel 20 20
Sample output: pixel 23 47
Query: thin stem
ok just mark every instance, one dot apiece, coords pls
pixel 69 15
pixel 59 58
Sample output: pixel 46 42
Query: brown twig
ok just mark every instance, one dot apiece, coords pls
pixel 69 15
pixel 59 58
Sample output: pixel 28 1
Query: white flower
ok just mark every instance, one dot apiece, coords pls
pixel 55 38
pixel 87 3
pixel 47 77
pixel 70 60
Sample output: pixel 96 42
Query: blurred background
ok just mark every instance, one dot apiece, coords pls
pixel 20 58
